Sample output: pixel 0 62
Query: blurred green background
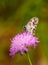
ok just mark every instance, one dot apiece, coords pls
pixel 14 14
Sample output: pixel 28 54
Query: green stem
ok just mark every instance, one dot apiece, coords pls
pixel 29 59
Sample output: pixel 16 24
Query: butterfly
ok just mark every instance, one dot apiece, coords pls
pixel 31 25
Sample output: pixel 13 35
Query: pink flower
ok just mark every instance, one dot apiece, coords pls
pixel 21 42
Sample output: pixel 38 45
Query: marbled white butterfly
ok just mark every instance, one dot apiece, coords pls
pixel 31 25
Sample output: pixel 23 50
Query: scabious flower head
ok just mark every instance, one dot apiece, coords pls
pixel 21 42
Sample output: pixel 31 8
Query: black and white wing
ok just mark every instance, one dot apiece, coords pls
pixel 31 25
